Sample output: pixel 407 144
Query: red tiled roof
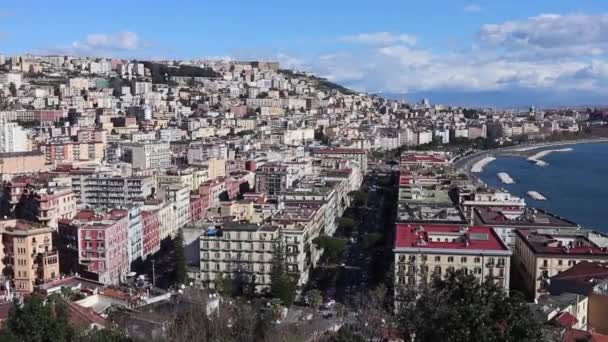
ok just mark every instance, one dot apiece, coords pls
pixel 81 317
pixel 566 320
pixel 472 238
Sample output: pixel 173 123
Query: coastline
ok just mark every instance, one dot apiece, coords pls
pixel 537 158
pixel 465 163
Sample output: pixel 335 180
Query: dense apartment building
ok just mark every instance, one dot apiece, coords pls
pixel 151 232
pixel 300 225
pixel 358 155
pixel 55 204
pixel 165 212
pixel 56 152
pixel 179 196
pixel 424 251
pixel 276 177
pixel 235 250
pixel 21 162
pixel 541 254
pixel 28 254
pixel 151 155
pixel 107 191
pixel 96 246
pixel 13 138
pixel 135 231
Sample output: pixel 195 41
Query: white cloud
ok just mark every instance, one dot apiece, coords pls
pixel 103 44
pixel 471 8
pixel 550 35
pixel 122 41
pixel 380 38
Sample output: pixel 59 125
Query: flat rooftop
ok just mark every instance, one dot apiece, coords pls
pixel 431 213
pixel 449 237
pixel 520 217
pixel 420 158
pixel 561 242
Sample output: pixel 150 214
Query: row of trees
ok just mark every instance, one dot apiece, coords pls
pixel 457 308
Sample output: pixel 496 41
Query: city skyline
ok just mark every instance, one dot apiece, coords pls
pixel 474 53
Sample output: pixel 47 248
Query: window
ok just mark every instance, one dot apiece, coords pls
pixel 571 262
pixel 402 258
pixel 559 262
pixel 477 260
pixel 437 259
pixel 450 259
pixel 477 270
pixel 463 260
pixel 438 270
pixel 545 263
pixel 412 258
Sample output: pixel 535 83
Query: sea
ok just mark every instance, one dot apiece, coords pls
pixel 575 183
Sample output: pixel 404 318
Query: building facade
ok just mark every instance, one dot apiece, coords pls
pixel 424 251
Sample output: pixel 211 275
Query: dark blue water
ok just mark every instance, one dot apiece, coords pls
pixel 575 183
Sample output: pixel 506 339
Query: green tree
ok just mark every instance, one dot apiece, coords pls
pixel 224 285
pixel 371 240
pixel 346 225
pixel 28 207
pixel 180 274
pixel 102 335
pixel 334 248
pixel 38 321
pixel 314 298
pixel 283 284
pixel 359 198
pixel 5 201
pixel 460 308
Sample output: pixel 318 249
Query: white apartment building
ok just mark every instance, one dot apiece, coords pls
pixel 424 251
pixel 11 77
pixel 300 225
pixel 179 196
pixel 12 138
pixel 151 155
pixel 238 250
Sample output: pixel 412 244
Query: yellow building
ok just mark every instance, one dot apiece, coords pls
pixel 29 254
pixel 540 255
pixel 216 168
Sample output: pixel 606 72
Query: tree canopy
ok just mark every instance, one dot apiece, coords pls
pixel 460 308
pixel 180 271
pixel 334 248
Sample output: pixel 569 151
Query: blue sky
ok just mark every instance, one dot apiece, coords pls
pixel 552 51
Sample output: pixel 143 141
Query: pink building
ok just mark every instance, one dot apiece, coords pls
pixel 51 115
pixel 239 111
pixel 96 246
pixel 151 227
pixel 198 207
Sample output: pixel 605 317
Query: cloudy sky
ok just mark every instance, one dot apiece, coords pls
pixel 512 52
